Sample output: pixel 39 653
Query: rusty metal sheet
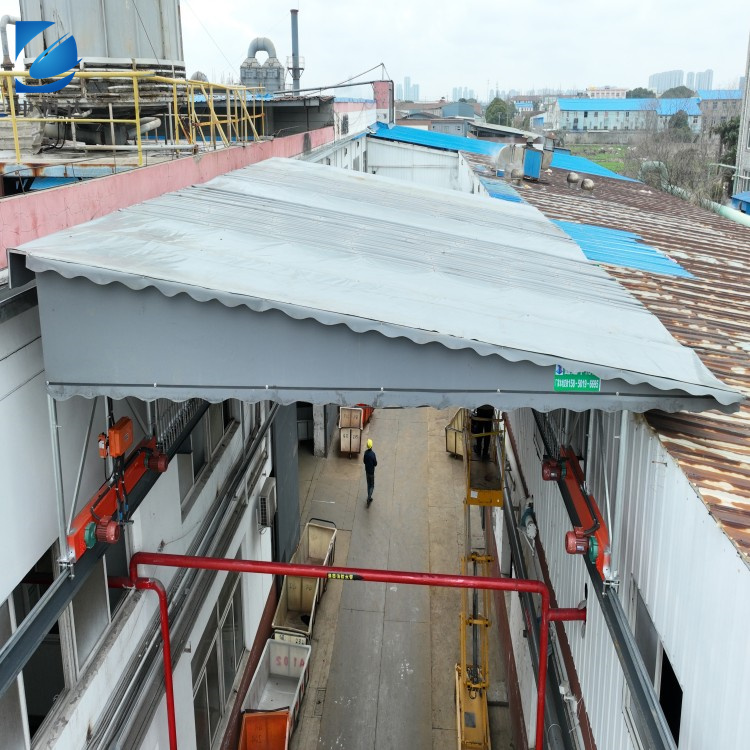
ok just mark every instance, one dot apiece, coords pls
pixel 709 313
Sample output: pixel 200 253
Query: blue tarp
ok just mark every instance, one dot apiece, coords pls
pixel 562 160
pixel 619 248
pixel 498 188
pixel 741 201
pixel 436 140
pixel 486 148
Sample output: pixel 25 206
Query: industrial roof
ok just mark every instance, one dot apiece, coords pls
pixel 447 142
pixel 664 107
pixel 719 94
pixel 708 311
pixel 327 278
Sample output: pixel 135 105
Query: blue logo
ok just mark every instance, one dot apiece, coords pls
pixel 56 59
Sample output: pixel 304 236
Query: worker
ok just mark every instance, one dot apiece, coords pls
pixel 370 460
pixel 481 422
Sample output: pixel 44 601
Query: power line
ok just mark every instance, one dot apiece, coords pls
pixel 208 34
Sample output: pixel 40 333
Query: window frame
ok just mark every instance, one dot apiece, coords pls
pixel 631 717
pixel 230 595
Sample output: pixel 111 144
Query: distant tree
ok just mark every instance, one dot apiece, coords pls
pixel 679 125
pixel 678 92
pixel 461 99
pixel 729 134
pixel 640 93
pixel 500 112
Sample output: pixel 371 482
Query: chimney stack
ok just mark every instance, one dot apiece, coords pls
pixel 296 72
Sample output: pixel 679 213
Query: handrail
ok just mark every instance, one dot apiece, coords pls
pixel 237 123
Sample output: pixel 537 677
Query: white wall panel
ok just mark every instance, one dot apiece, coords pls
pixel 404 161
pixel 695 587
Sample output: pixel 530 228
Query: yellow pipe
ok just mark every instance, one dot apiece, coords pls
pixel 14 123
pixel 136 101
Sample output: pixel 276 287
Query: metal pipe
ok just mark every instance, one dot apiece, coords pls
pixel 377 576
pixel 537 649
pixel 295 52
pixel 152 584
pixel 81 465
pixel 4 21
pixel 57 468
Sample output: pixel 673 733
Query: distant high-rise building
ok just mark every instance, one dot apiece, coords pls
pixel 415 92
pixel 690 80
pixel 704 80
pixel 660 82
pixel 399 92
pixel 407 89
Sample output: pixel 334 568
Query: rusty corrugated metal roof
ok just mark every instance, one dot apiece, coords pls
pixel 709 312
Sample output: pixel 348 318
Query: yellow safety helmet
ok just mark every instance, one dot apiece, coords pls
pixel 369 443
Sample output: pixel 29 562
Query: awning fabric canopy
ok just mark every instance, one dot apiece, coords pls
pixel 294 281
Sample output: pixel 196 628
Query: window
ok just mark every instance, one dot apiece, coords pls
pixel 659 669
pixel 216 662
pixel 204 440
pixel 44 675
pixel 627 114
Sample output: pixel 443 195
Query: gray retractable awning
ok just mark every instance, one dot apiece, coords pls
pixel 295 281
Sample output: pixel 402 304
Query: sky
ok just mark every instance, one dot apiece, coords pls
pixel 473 43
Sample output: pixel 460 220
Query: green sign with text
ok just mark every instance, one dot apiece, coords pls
pixel 576 382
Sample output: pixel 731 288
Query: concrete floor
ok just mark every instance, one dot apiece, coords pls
pixel 383 658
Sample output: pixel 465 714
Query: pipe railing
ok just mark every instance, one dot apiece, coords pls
pixel 236 124
pixel 548 614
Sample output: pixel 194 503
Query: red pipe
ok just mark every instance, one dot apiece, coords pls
pixel 153 584
pixel 351 574
pixel 558 614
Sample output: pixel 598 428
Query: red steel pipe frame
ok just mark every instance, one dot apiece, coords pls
pixel 347 574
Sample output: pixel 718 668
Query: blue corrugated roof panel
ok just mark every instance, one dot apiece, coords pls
pixel 436 140
pixel 500 189
pixel 662 106
pixel 561 160
pixel 730 94
pixel 619 248
pixel 672 106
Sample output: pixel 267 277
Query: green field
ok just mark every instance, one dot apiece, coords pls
pixel 611 157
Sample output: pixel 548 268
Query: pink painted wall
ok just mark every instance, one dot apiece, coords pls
pixel 25 217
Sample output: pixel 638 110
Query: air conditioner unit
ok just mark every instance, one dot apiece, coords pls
pixel 267 503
